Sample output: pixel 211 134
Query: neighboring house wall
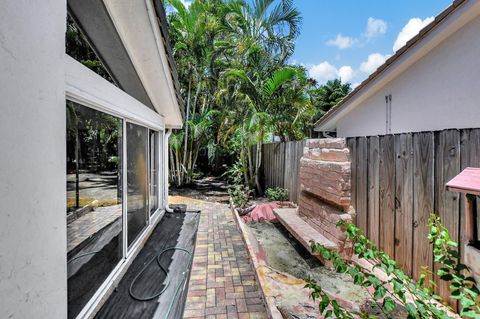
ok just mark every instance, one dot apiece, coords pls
pixel 32 162
pixel 439 91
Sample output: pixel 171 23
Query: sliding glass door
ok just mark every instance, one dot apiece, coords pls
pixel 94 201
pixel 113 174
pixel 137 180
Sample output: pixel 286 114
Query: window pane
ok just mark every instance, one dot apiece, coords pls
pixel 94 201
pixel 137 179
pixel 154 166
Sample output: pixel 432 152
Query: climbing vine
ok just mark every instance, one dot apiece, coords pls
pixel 396 288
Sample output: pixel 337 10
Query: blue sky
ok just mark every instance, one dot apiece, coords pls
pixel 351 38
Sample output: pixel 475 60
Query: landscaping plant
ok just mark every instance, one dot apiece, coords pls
pixel 277 194
pixel 239 195
pixel 418 298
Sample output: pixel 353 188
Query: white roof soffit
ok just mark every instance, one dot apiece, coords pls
pixel 445 24
pixel 93 19
pixel 137 25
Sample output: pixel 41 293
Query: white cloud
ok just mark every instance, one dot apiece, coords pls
pixel 341 42
pixel 374 60
pixel 410 30
pixel 375 27
pixel 186 3
pixel 346 73
pixel 325 71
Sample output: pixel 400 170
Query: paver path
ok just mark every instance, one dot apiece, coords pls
pixel 91 223
pixel 222 282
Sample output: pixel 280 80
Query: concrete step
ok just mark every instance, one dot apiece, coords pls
pixel 301 230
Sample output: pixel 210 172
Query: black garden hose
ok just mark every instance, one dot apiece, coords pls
pixel 167 279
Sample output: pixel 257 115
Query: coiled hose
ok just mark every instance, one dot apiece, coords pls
pixel 167 279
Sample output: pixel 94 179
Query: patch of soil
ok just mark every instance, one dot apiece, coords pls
pixel 285 254
pixel 212 189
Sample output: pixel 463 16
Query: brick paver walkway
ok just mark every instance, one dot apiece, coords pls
pixel 91 223
pixel 222 282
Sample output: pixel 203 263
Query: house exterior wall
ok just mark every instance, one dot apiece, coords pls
pixel 438 92
pixel 32 162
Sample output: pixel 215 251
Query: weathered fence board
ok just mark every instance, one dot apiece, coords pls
pixel 404 201
pixel 352 146
pixel 447 205
pixel 362 185
pixel 293 153
pixel 373 195
pixel 280 166
pixel 387 194
pixel 423 200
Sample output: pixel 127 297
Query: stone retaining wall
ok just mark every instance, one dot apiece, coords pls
pixel 325 188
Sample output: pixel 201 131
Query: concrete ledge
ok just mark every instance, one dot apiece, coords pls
pixel 301 230
pixel 258 265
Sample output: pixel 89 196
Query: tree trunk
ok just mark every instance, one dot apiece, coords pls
pixel 258 163
pixel 197 149
pixel 187 115
pixel 250 166
pixel 179 169
pixel 242 157
pixel 172 166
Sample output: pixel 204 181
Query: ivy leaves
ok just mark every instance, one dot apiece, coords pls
pixel 396 288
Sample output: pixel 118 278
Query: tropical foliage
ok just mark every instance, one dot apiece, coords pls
pixel 277 194
pixel 238 87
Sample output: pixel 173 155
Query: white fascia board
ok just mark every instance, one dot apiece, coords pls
pixel 137 26
pixel 459 18
pixel 85 87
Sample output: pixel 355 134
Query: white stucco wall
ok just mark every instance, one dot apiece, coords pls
pixel 440 91
pixel 33 280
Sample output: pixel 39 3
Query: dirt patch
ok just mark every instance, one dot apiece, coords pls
pixel 211 189
pixel 285 254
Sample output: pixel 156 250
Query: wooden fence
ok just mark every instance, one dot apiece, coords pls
pixel 280 166
pixel 399 180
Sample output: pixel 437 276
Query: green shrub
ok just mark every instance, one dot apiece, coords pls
pixel 239 195
pixel 277 194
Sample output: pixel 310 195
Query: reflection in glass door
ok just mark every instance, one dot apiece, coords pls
pixel 137 180
pixel 94 201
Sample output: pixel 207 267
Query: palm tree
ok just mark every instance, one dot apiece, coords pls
pixel 328 95
pixel 291 109
pixel 275 27
pixel 192 31
pixel 257 89
pixel 231 57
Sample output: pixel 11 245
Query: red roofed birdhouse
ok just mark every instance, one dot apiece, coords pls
pixel 468 183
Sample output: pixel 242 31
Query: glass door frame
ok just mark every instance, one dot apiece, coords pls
pixel 150 218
